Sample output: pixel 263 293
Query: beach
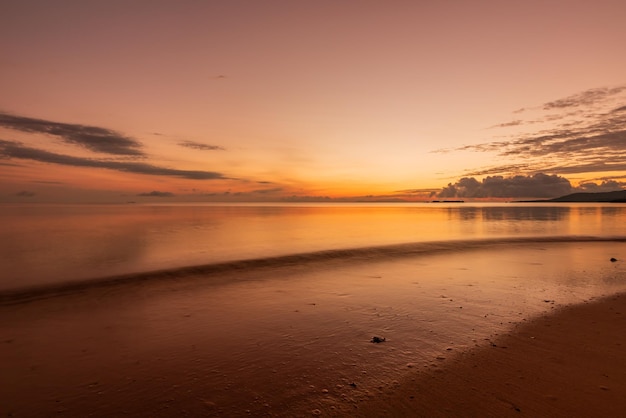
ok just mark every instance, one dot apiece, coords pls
pixel 295 339
pixel 566 364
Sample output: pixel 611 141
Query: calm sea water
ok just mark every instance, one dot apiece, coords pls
pixel 47 244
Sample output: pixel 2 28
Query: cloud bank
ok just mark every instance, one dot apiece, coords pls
pixel 538 185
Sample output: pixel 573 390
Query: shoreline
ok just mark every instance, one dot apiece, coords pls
pixel 218 270
pixel 568 363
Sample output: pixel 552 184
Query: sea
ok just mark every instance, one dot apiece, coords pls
pixel 44 245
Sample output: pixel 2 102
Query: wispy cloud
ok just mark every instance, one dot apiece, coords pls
pixel 200 146
pixel 516 122
pixel 25 193
pixel 156 193
pixel 585 98
pixel 588 136
pixel 12 149
pixel 268 191
pixel 499 169
pixel 91 137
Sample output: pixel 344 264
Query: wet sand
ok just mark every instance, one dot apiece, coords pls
pixel 570 363
pixel 295 340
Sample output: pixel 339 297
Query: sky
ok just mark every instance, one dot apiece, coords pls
pixel 288 100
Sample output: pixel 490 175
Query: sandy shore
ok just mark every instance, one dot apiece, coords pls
pixel 570 363
pixel 468 334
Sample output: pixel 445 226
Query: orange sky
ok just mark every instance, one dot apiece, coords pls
pixel 273 100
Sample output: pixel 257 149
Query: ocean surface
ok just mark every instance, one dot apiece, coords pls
pixel 46 245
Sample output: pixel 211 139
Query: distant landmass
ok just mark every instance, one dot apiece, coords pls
pixel 618 196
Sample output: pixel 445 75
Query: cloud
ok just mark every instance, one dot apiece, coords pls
pixel 589 139
pixel 426 192
pixel 585 98
pixel 567 144
pixel 25 193
pixel 156 193
pixel 508 168
pixel 605 186
pixel 200 146
pixel 268 191
pixel 508 124
pixel 91 137
pixel 537 185
pixel 11 149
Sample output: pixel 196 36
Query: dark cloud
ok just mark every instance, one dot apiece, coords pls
pixel 585 98
pixel 156 193
pixel 605 186
pixel 91 137
pixel 566 144
pixel 25 193
pixel 508 124
pixel 537 185
pixel 10 149
pixel 267 191
pixel 200 146
pixel 600 166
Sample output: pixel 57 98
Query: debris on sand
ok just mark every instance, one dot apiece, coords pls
pixel 378 339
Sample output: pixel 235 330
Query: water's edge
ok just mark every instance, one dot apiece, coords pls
pixel 362 254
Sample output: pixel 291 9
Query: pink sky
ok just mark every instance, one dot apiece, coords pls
pixel 267 100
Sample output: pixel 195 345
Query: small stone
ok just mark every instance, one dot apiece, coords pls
pixel 378 339
pixel 613 259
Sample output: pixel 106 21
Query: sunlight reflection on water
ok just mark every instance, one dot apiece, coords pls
pixel 49 243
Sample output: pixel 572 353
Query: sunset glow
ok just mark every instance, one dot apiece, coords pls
pixel 302 101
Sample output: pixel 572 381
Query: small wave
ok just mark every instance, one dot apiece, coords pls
pixel 362 254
